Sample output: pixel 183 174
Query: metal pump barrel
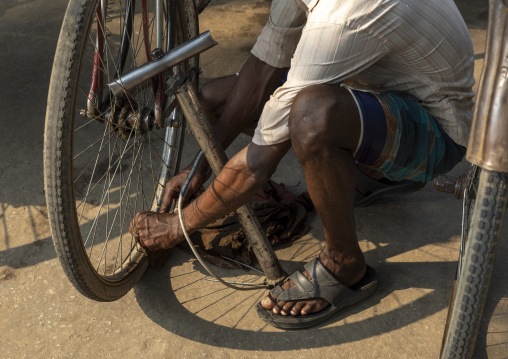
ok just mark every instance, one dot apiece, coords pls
pixel 173 57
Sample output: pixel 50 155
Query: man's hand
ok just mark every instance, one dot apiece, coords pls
pixel 174 186
pixel 156 231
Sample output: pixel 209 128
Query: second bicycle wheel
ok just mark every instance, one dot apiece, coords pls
pixel 107 158
pixel 476 264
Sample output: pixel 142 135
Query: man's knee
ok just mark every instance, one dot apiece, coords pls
pixel 323 116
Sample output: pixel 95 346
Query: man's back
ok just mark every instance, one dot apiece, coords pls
pixel 422 48
pixel 429 55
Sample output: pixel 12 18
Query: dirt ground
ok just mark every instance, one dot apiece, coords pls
pixel 411 241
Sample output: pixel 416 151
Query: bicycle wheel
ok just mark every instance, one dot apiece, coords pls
pixel 477 264
pixel 106 157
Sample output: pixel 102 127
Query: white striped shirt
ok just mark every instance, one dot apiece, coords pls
pixel 420 47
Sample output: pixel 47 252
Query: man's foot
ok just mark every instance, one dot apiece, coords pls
pixel 300 296
pixel 155 231
pixel 346 277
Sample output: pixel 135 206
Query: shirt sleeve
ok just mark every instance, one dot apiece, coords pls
pixel 279 38
pixel 327 53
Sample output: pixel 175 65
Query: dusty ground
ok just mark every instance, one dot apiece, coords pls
pixel 411 241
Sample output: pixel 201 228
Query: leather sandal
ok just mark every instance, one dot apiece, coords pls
pixel 322 285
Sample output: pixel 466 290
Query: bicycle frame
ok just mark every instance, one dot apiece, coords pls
pixel 486 149
pixel 95 95
pixel 488 142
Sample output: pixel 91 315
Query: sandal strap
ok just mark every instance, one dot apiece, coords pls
pixel 323 285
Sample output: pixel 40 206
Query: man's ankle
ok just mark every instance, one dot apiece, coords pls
pixel 348 270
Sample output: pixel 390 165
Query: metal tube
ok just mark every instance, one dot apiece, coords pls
pixel 173 57
pixel 170 156
pixel 159 36
pixel 488 142
pixel 217 159
pixel 165 171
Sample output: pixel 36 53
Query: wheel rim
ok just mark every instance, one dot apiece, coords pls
pixel 119 169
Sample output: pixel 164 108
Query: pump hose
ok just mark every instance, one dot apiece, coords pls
pixel 248 286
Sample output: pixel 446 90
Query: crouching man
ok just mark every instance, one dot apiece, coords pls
pixel 383 84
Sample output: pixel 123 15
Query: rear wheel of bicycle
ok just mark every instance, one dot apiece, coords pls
pixel 477 262
pixel 107 158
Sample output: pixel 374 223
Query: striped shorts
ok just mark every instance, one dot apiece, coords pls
pixel 401 139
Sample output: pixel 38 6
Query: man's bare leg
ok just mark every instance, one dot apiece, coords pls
pixel 214 96
pixel 325 129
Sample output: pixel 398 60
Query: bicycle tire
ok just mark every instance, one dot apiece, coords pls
pixel 468 203
pixel 96 166
pixel 477 265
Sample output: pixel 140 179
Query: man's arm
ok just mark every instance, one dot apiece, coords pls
pixel 256 82
pixel 242 176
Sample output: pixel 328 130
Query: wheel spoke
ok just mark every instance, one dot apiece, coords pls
pixel 100 179
pixel 107 189
pixel 136 147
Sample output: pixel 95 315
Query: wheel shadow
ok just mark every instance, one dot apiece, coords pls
pixel 157 298
pixel 203 317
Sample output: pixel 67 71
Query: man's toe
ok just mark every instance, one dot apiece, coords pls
pixel 277 309
pixel 297 308
pixel 286 308
pixel 268 302
pixel 308 308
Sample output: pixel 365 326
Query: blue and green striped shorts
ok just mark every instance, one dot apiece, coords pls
pixel 401 139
